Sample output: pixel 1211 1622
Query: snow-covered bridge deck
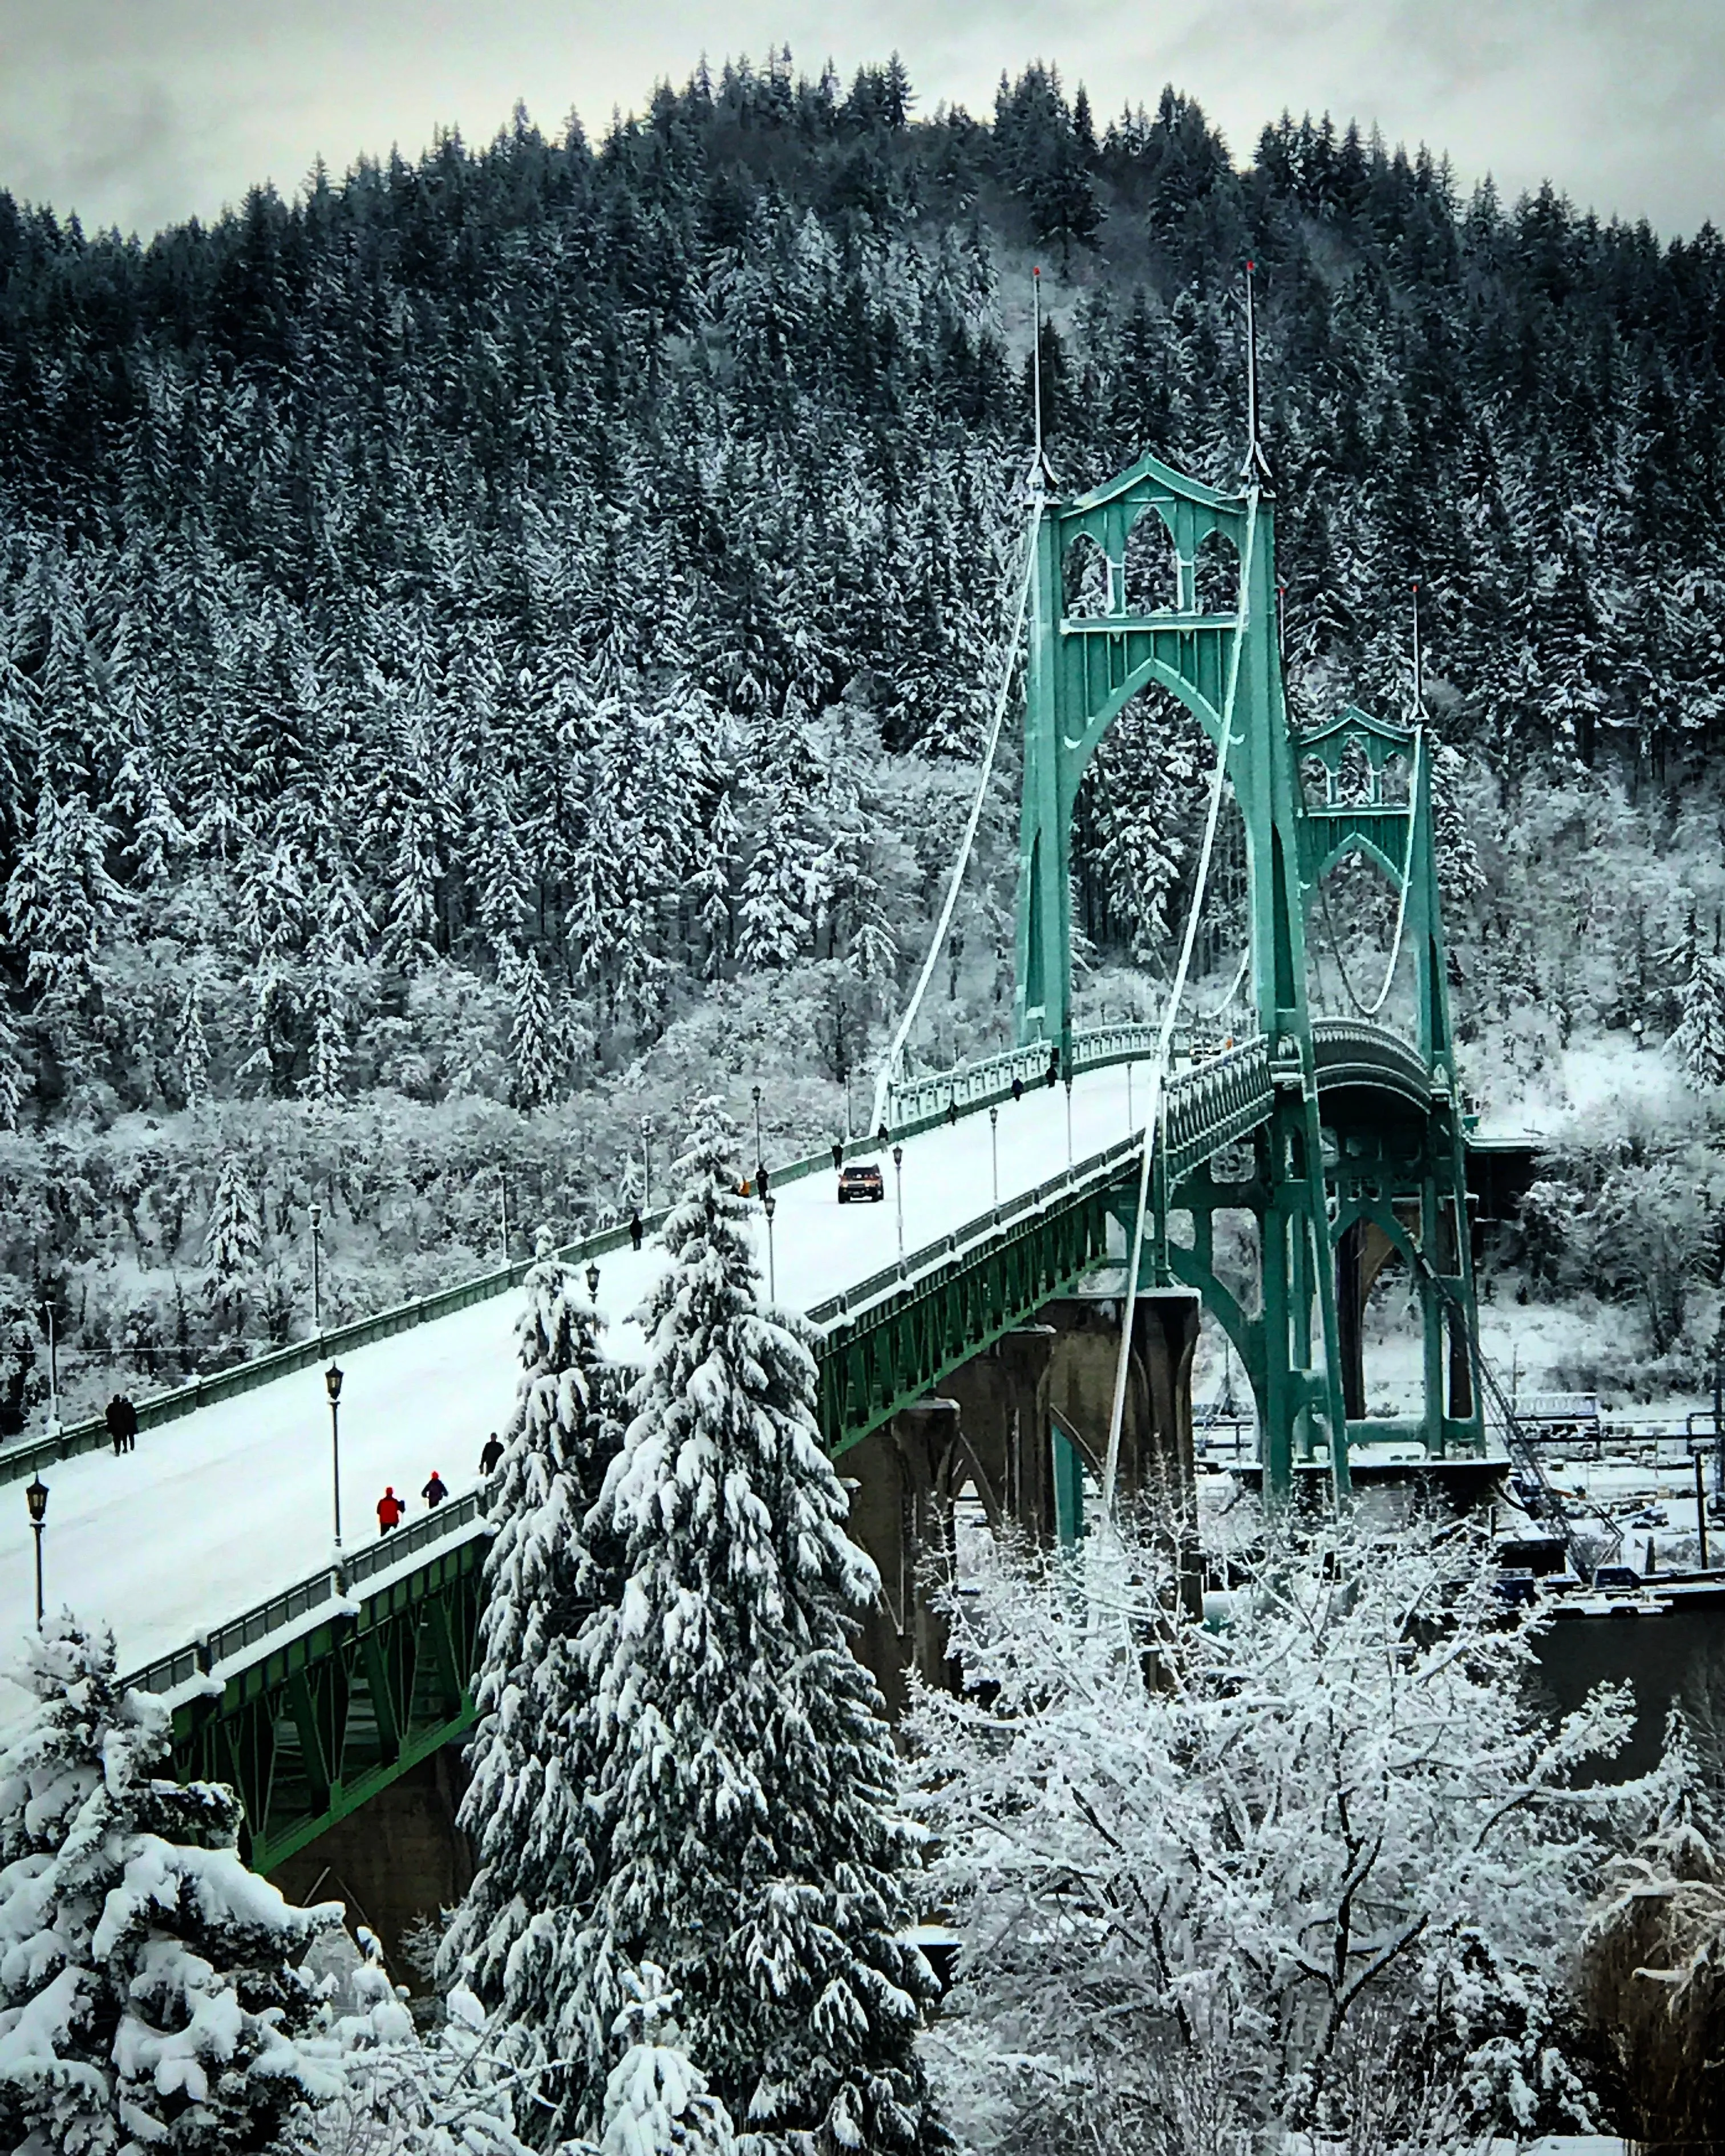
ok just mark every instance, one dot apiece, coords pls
pixel 215 1514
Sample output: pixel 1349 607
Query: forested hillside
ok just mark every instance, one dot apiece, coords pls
pixel 499 638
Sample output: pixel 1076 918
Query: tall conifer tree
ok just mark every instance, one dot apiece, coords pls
pixel 747 1785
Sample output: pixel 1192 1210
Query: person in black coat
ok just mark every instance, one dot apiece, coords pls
pixel 635 1230
pixel 492 1455
pixel 436 1490
pixel 130 1414
pixel 114 1417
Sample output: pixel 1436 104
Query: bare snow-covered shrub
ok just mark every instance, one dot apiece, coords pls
pixel 1321 1869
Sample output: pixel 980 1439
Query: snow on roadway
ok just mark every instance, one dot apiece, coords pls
pixel 221 1510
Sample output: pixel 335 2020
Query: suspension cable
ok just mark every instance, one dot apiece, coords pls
pixel 1371 1010
pixel 1232 991
pixel 1158 1074
pixel 892 1060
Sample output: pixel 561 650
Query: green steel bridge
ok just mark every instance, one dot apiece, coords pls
pixel 1339 1141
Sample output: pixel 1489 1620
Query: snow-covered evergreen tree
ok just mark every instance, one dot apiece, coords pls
pixel 1699 1038
pixel 747 1785
pixel 656 2099
pixel 1461 878
pixel 525 1807
pixel 325 1077
pixel 151 1994
pixel 192 1047
pixel 532 1046
pixel 60 900
pixel 11 1070
pixel 235 1237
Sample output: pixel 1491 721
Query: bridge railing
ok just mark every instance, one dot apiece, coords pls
pixel 453 1520
pixel 915 1103
pixel 1214 1104
pixel 1071 1182
pixel 1375 1047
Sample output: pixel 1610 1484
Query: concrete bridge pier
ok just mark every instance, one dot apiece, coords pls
pixel 1155 1456
pixel 1021 1423
pixel 902 1514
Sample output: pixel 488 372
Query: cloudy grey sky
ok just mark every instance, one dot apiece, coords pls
pixel 142 112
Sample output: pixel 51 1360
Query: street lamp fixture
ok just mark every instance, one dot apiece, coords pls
pixel 760 1154
pixel 995 1147
pixel 593 1284
pixel 332 1386
pixel 36 1497
pixel 1068 1118
pixel 317 1268
pixel 898 1178
pixel 53 1373
pixel 769 1206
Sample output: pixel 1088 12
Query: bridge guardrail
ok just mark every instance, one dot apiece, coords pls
pixel 918 1103
pixel 435 1528
pixel 1074 1179
pixel 1380 1049
pixel 1214 1104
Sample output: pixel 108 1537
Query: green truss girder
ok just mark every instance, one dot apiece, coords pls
pixel 322 1721
pixel 880 1361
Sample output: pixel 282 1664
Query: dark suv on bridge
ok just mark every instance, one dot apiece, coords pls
pixel 863 1181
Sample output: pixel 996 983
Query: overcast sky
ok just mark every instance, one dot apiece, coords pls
pixel 143 112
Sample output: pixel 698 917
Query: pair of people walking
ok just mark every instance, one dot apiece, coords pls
pixel 392 1509
pixel 121 1418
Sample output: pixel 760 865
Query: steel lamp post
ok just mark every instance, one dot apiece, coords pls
pixel 994 1148
pixel 53 1373
pixel 898 1178
pixel 332 1386
pixel 769 1206
pixel 36 1497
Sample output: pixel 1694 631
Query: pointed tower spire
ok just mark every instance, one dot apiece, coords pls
pixel 1254 471
pixel 1041 471
pixel 1419 664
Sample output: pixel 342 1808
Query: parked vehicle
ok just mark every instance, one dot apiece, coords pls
pixel 863 1181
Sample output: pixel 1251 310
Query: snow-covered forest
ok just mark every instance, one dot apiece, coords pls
pixel 494 645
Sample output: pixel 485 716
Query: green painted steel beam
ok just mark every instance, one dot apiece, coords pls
pixel 322 1722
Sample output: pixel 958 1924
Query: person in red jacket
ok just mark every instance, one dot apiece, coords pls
pixel 390 1509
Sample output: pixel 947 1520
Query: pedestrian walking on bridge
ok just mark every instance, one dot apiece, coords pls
pixel 390 1509
pixel 492 1455
pixel 435 1489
